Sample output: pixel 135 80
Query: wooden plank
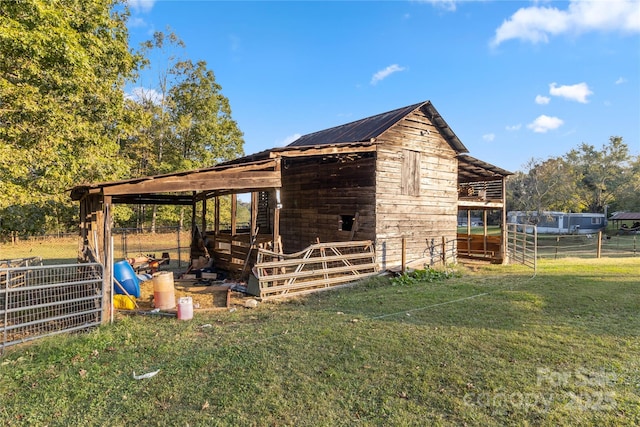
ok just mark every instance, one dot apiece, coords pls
pixel 323 270
pixel 320 151
pixel 264 292
pixel 310 260
pixel 312 290
pixel 205 181
pixel 354 244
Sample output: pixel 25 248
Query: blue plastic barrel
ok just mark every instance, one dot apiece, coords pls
pixel 123 273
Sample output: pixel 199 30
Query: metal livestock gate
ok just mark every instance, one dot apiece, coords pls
pixel 47 300
pixel 522 244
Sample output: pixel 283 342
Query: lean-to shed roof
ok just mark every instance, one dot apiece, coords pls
pixel 471 169
pixel 625 216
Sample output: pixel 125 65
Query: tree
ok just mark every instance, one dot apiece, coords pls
pixel 546 185
pixel 584 179
pixel 601 174
pixel 204 132
pixel 63 65
pixel 628 195
pixel 185 121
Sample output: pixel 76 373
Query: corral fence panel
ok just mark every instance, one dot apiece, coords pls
pixel 319 267
pixel 522 244
pixel 39 301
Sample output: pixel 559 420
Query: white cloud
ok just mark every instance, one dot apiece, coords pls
pixel 288 140
pixel 536 23
pixel 621 80
pixel 234 42
pixel 513 127
pixel 141 5
pixel 383 74
pixel 448 5
pixel 140 94
pixel 543 124
pixel 542 100
pixel 577 92
pixel 489 137
pixel 135 22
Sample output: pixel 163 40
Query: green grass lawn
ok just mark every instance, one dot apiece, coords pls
pixel 495 346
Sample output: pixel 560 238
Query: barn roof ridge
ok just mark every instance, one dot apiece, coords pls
pixel 369 128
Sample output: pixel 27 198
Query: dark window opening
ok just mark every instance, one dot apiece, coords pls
pixel 346 222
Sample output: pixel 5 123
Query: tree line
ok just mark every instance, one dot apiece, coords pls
pixel 585 179
pixel 72 111
pixel 68 114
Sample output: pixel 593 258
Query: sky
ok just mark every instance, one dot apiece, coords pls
pixel 515 80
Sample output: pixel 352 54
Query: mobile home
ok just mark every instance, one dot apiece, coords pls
pixel 550 222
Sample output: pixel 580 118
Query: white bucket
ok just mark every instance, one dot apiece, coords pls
pixel 185 308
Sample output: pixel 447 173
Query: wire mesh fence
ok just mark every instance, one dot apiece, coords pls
pixel 46 300
pixel 168 242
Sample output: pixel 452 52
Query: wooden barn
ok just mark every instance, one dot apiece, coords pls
pixel 392 184
pixel 398 179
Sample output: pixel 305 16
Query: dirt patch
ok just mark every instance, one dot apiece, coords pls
pixel 215 296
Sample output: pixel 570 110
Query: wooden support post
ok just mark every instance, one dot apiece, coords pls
pixel 254 212
pixel 599 249
pixel 203 223
pixel 404 253
pixel 503 230
pixel 216 223
pixel 234 213
pixel 107 260
pixel 193 213
pixel 484 225
pixel 179 250
pixel 277 246
pixel 444 251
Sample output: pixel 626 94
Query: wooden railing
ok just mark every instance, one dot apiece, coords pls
pixel 319 267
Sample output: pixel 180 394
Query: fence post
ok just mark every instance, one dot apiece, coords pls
pixel 599 248
pixel 444 252
pixel 557 245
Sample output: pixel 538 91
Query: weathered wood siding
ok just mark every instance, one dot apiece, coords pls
pixel 416 191
pixel 318 191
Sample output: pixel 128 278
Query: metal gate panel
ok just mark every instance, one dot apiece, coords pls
pixel 47 300
pixel 522 244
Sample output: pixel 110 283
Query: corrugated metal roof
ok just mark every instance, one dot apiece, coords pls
pixel 366 129
pixel 625 216
pixel 471 169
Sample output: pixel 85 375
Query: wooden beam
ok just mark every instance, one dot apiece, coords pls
pixel 323 151
pixel 470 204
pixel 204 181
pixel 153 199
